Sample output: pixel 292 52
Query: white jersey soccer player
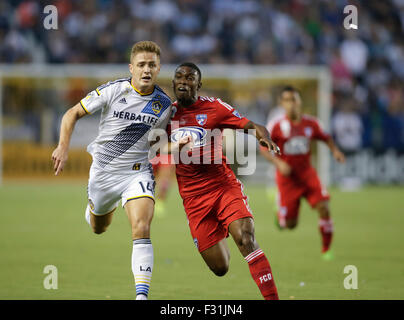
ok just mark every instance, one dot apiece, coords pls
pixel 120 167
pixel 130 109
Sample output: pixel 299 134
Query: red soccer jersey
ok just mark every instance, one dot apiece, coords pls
pixel 204 121
pixel 294 140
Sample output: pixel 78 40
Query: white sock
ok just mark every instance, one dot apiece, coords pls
pixel 141 297
pixel 87 215
pixel 142 266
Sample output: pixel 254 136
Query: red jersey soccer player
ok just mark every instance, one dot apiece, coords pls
pixel 295 177
pixel 213 198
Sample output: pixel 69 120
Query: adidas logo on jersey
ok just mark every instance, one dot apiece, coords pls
pixel 123 100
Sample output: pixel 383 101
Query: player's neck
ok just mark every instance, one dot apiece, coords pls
pixel 143 90
pixel 185 103
pixel 295 119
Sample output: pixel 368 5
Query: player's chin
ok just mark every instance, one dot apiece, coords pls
pixel 182 95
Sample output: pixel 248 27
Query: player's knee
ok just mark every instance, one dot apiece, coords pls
pixel 140 228
pixel 220 270
pixel 99 230
pixel 248 240
pixel 323 210
pixel 291 223
pixel 245 241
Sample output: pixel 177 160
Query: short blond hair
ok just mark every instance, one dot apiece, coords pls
pixel 145 46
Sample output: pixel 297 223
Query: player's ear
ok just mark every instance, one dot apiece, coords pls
pixel 199 85
pixel 130 68
pixel 158 66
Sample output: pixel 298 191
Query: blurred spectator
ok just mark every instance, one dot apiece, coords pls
pixel 354 53
pixel 347 127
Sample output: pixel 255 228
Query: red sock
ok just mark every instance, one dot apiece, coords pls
pixel 326 229
pixel 261 272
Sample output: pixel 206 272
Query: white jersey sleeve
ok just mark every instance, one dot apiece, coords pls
pixel 98 98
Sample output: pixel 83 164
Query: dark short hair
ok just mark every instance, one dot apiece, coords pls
pixel 192 66
pixel 289 88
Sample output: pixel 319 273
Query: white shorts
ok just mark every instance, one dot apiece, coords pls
pixel 106 189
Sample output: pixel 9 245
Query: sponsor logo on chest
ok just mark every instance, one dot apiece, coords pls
pixel 198 135
pixel 135 117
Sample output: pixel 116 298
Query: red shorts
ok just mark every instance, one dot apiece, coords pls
pixel 209 215
pixel 292 189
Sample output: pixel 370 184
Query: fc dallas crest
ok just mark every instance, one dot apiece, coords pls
pixel 201 119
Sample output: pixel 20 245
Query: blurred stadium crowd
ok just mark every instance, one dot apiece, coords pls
pixel 367 64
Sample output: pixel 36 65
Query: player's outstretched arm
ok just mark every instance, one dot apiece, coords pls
pixel 283 167
pixel 60 154
pixel 262 135
pixel 337 154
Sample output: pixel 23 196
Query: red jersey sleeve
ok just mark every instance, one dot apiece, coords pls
pixel 229 117
pixel 318 131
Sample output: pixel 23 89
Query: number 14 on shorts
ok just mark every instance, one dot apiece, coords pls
pixel 147 186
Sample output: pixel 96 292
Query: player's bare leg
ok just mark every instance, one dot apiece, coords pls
pixel 323 209
pixel 140 214
pixel 326 228
pixel 165 176
pixel 163 181
pixel 242 231
pixel 217 258
pixel 99 223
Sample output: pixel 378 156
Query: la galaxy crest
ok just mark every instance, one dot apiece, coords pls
pixel 156 107
pixel 201 119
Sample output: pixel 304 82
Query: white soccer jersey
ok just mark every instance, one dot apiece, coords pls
pixel 127 116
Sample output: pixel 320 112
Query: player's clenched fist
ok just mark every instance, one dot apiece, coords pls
pixel 59 158
pixel 185 142
pixel 339 156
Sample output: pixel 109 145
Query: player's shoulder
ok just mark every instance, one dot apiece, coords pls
pixel 275 122
pixel 160 94
pixel 118 84
pixel 216 103
pixel 159 102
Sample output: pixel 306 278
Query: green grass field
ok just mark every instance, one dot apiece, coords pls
pixel 43 224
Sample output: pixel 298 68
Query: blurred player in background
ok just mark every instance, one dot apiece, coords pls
pixel 164 172
pixel 120 169
pixel 271 189
pixel 295 176
pixel 213 197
